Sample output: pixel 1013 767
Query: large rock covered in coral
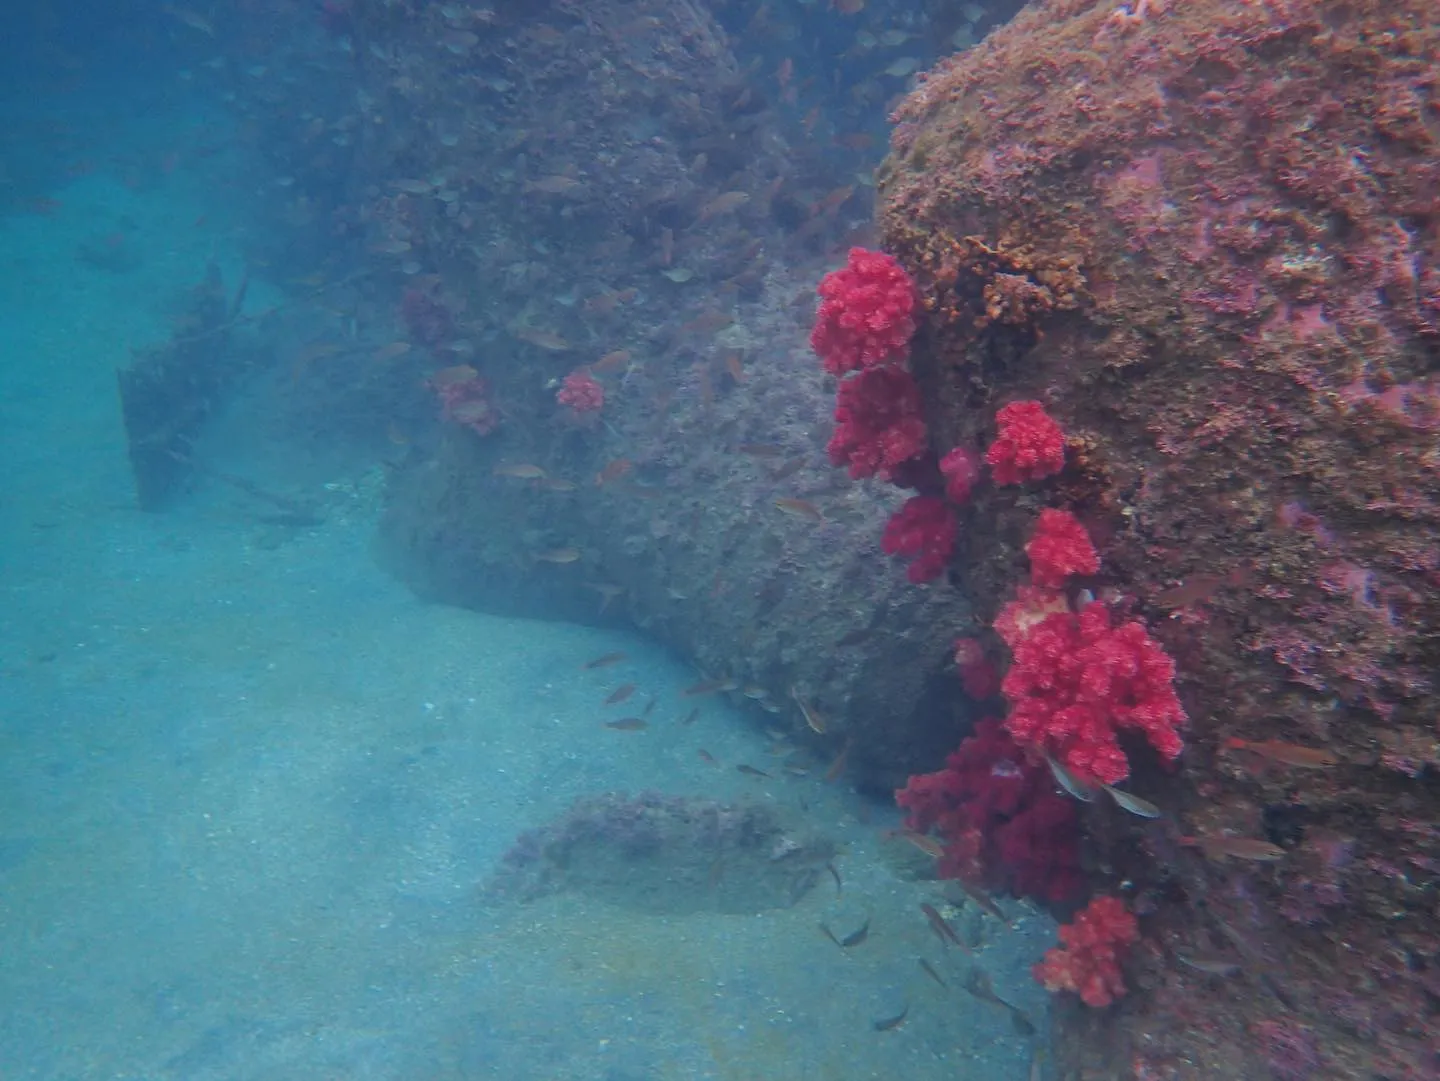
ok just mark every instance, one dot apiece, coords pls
pixel 1205 236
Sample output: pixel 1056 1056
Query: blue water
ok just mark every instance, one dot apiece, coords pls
pixel 250 786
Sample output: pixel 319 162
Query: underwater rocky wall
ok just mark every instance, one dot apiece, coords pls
pixel 607 245
pixel 1205 236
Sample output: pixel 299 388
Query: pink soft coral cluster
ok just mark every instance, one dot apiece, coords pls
pixel 999 819
pixel 1076 680
pixel 866 314
pixel 1030 445
pixel 863 325
pixel 1088 959
pixel 1060 548
pixel 924 530
pixel 465 398
pixel 961 470
pixel 978 674
pixel 879 425
pixel 581 393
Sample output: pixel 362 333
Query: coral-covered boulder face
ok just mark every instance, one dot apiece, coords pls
pixel 1204 235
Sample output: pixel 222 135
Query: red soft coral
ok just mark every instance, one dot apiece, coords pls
pixel 1029 446
pixel 1060 547
pixel 1088 960
pixel 465 398
pixel 978 674
pixel 924 529
pixel 999 819
pixel 1030 606
pixel 879 425
pixel 1075 680
pixel 866 314
pixel 961 470
pixel 581 392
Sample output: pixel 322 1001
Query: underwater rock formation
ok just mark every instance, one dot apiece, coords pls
pixel 612 196
pixel 1204 236
pixel 667 855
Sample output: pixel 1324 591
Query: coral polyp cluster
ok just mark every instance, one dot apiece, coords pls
pixel 1087 961
pixel 866 314
pixel 1077 680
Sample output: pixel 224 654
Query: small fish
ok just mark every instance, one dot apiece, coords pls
pixel 558 555
pixel 605 660
pixel 190 19
pixel 689 718
pixel 906 65
pixel 983 899
pixel 800 508
pixel 455 375
pixel 390 352
pixel 678 275
pixel 706 756
pixel 788 469
pixel 1218 848
pixel 942 928
pixel 413 187
pixel 925 843
pixel 608 592
pixel 812 716
pixel 459 42
pixel 391 246
pixel 1020 1021
pixel 558 484
pixel 1201 587
pixel 708 686
pixel 1211 966
pixel 628 724
pixel 761 450
pixel 885 1024
pixel 542 339
pixel 832 201
pixel 857 936
pixel 837 767
pixel 1290 754
pixel 855 638
pixel 735 367
pixel 619 694
pixel 522 471
pixel 556 185
pixel 1068 781
pixel 930 971
pixel 612 362
pixel 724 203
pixel 613 471
pixel 751 771
pixel 978 984
pixel 1134 804
pixel 649 707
